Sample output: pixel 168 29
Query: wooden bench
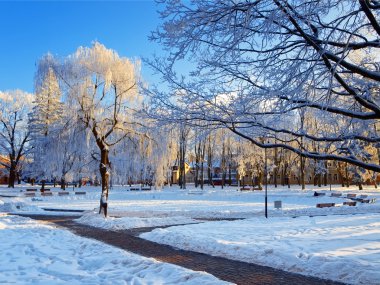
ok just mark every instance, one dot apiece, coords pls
pixel 363 196
pixel 352 203
pixel 325 205
pixel 349 196
pixel 317 194
pixel 368 201
pixel 63 193
pixel 80 193
pixel 336 194
pixel 47 193
pixel 30 194
pixel 245 188
pixel 31 190
pixel 146 189
pixel 195 191
pixel 134 189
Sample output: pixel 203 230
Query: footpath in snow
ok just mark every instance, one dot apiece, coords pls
pixel 340 243
pixel 34 253
pixel 341 248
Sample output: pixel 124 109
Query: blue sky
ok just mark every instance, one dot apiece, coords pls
pixel 30 29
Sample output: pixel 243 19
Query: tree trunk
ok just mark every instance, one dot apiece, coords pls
pixel 104 173
pixel 12 178
pixel 63 183
pixel 229 174
pixel 275 171
pixel 302 173
pixel 12 175
pixel 260 180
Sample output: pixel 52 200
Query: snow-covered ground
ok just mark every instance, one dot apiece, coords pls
pixel 35 253
pixel 213 203
pixel 340 243
pixel 342 248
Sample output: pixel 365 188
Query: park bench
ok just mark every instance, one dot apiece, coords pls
pixel 46 193
pixel 31 190
pixel 63 193
pixel 195 191
pixel 351 203
pixel 134 189
pixel 325 205
pixel 367 201
pixel 80 193
pixel 30 194
pixel 257 189
pixel 350 196
pixel 336 194
pixel 245 188
pixel 316 194
pixel 146 188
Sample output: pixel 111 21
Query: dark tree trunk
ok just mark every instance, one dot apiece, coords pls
pixel 260 180
pixel 302 173
pixel 12 178
pixel 18 178
pixel 63 183
pixel 104 174
pixel 12 174
pixel 275 171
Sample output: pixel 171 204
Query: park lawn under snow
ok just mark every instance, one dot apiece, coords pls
pixel 342 248
pixel 212 203
pixel 339 243
pixel 35 253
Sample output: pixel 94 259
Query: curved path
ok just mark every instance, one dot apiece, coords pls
pixel 224 269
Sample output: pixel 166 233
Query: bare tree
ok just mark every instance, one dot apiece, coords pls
pixel 14 135
pixel 260 61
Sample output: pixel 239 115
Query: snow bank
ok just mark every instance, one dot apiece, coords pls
pixel 342 248
pixel 33 253
pixel 92 218
pixel 14 207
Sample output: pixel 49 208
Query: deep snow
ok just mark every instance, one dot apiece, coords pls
pixel 339 243
pixel 35 253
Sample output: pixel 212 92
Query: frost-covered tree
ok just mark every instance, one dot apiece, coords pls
pixel 259 62
pixel 104 88
pixel 46 119
pixel 14 135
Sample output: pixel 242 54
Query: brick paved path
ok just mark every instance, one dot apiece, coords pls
pixel 224 269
